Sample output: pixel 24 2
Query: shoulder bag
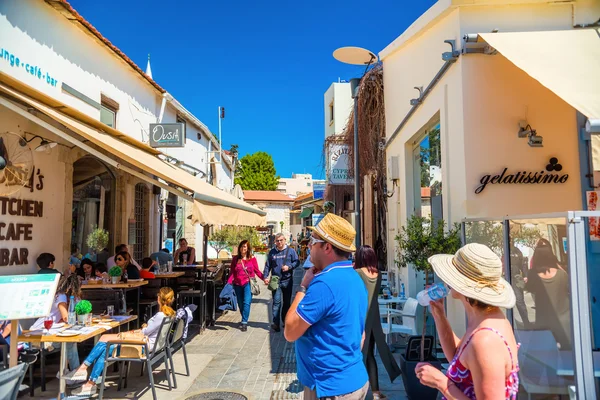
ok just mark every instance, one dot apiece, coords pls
pixel 274 281
pixel 254 288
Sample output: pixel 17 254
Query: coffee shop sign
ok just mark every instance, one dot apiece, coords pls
pixel 167 135
pixel 551 174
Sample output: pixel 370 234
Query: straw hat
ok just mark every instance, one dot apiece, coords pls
pixel 336 231
pixel 475 271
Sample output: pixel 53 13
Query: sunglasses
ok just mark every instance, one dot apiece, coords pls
pixel 120 259
pixel 314 241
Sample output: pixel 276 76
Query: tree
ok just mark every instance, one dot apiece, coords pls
pixel 420 239
pixel 489 233
pixel 219 240
pixel 257 172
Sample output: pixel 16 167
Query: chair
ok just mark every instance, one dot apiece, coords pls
pixel 186 297
pixel 408 315
pixel 102 298
pixel 177 342
pixel 148 297
pixel 10 381
pixel 149 359
pixel 534 376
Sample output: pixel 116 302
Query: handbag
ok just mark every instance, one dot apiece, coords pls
pixel 130 350
pixel 254 288
pixel 274 282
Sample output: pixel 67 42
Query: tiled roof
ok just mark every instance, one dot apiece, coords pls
pixel 265 195
pixel 64 6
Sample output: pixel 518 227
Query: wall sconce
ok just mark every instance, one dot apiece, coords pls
pixel 525 130
pixel 44 146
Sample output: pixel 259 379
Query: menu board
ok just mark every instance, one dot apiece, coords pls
pixel 27 296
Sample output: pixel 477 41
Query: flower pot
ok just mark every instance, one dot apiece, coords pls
pixel 82 319
pixel 414 389
pixel 114 279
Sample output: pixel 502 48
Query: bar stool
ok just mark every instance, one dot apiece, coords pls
pixel 191 296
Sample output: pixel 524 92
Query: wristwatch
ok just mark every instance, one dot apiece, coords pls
pixel 302 289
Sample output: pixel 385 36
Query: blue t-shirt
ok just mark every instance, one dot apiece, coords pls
pixel 329 354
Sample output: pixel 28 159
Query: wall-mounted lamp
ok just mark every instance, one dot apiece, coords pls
pixel 525 130
pixel 44 146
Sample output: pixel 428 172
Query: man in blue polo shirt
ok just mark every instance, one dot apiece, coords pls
pixel 327 317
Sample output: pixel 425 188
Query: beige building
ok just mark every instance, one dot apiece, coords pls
pixel 296 185
pixel 276 205
pixel 338 104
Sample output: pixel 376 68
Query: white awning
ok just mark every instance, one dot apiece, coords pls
pixel 566 62
pixel 212 206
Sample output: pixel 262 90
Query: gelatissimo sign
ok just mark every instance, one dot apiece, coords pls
pixel 167 135
pixel 551 174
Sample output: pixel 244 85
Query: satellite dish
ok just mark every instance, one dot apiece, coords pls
pixel 355 56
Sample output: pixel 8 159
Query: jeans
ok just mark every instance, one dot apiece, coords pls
pixel 72 354
pixel 283 294
pixel 244 299
pixel 96 358
pixel 521 306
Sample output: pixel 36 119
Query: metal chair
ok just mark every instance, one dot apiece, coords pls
pixel 10 381
pixel 186 297
pixel 177 342
pixel 408 315
pixel 149 359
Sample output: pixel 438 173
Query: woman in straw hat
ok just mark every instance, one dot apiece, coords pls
pixel 484 361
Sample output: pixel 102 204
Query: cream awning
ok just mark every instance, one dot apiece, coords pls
pixel 212 206
pixel 566 62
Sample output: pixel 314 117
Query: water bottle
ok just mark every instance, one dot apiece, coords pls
pixel 71 318
pixel 432 293
pixel 402 292
pixel 125 277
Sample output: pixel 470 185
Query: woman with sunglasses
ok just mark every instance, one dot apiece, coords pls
pixel 243 268
pixel 123 260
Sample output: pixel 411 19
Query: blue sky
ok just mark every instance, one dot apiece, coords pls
pixel 267 62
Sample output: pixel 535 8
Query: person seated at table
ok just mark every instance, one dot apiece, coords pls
pixel 67 286
pixel 86 271
pixel 96 357
pixel 74 258
pixel 112 261
pixel 145 273
pixel 123 260
pixel 101 271
pixel 185 252
pixel 45 263
pixel 162 257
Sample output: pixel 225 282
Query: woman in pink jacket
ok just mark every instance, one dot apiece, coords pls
pixel 244 267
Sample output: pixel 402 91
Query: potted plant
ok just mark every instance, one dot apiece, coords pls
pixel 97 239
pixel 417 241
pixel 115 274
pixel 83 310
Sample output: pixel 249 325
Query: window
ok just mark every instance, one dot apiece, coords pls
pixel 428 174
pixel 308 184
pixel 140 248
pixel 331 112
pixel 108 111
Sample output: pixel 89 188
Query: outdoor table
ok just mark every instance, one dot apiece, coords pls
pixel 37 336
pixel 125 287
pixel 168 278
pixel 561 361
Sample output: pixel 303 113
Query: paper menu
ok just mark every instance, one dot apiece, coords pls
pixel 27 296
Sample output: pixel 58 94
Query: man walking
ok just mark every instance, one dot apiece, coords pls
pixel 327 318
pixel 281 262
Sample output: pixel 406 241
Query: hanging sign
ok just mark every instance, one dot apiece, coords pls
pixel 551 174
pixel 27 296
pixel 337 162
pixel 167 135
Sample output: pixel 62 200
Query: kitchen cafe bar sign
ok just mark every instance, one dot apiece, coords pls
pixel 167 135
pixel 551 174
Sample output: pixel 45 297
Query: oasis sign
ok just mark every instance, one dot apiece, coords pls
pixel 167 135
pixel 550 175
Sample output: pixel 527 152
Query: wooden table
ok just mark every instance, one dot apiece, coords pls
pixel 125 287
pixel 170 275
pixel 37 337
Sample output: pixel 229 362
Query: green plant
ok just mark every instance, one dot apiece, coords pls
pixel 257 172
pixel 420 239
pixel 115 271
pixel 83 307
pixel 97 239
pixel 489 233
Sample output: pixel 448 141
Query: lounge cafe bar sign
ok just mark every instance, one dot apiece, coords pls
pixel 551 174
pixel 167 135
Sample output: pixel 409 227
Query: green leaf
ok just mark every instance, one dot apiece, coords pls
pixel 97 239
pixel 115 271
pixel 257 172
pixel 83 307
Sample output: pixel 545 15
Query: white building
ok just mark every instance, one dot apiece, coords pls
pixel 296 185
pixel 63 83
pixel 338 104
pixel 277 206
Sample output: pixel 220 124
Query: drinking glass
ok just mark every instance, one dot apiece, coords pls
pixel 48 322
pixel 184 256
pixel 110 310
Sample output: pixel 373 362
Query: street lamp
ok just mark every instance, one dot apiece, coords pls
pixel 356 56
